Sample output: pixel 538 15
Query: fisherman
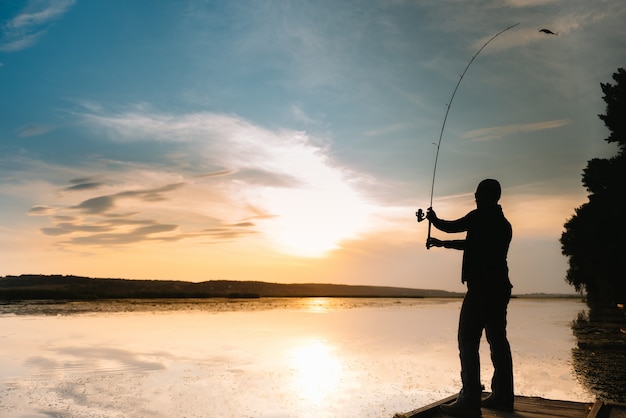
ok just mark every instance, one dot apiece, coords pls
pixel 485 271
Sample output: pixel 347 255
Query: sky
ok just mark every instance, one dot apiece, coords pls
pixel 293 141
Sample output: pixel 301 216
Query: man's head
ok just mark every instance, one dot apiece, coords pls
pixel 488 192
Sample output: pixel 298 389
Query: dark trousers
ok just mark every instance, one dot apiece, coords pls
pixel 485 308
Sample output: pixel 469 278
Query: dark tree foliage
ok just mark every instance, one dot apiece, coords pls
pixel 594 239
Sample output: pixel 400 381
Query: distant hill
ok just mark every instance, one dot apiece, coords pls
pixel 58 287
pixel 550 296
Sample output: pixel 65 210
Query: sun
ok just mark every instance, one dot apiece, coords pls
pixel 311 223
pixel 311 201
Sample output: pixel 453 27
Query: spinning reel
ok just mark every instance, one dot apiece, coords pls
pixel 420 217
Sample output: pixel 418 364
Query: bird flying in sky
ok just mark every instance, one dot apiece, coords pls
pixel 547 31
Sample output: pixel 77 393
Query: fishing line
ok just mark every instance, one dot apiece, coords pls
pixel 420 213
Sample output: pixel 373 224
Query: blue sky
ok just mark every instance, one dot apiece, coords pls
pixel 293 141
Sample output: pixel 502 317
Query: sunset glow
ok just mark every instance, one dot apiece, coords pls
pixel 293 141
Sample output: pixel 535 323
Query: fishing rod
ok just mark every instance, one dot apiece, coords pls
pixel 420 213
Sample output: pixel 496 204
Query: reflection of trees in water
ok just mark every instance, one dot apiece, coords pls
pixel 600 356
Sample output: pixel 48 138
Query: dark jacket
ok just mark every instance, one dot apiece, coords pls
pixel 486 245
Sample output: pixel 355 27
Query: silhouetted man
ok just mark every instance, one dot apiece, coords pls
pixel 486 273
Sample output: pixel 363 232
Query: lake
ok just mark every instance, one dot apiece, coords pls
pixel 303 357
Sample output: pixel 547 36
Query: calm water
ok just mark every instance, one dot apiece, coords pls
pixel 263 357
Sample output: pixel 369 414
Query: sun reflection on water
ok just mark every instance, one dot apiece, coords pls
pixel 317 305
pixel 317 371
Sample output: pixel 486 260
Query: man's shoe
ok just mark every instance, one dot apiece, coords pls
pixel 492 402
pixel 461 410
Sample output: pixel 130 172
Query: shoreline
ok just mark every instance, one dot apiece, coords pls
pixel 78 288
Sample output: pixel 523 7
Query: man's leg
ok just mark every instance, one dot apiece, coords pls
pixel 470 331
pixel 495 329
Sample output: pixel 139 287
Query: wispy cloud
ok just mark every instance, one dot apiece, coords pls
pixel 528 3
pixel 23 30
pixel 300 115
pixel 124 231
pixel 218 173
pixel 240 149
pixel 103 204
pixel 235 180
pixel 40 210
pixel 33 130
pixel 499 132
pixel 87 183
pixel 385 130
pixel 104 221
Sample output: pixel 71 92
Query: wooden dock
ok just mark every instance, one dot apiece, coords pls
pixel 531 407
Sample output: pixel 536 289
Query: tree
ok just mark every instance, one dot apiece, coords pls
pixel 594 239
